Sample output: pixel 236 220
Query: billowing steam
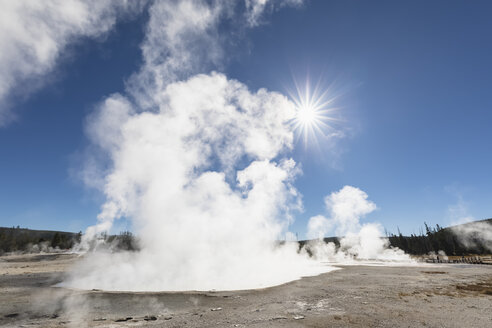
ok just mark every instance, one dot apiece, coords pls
pixel 207 186
pixel 200 165
pixel 364 242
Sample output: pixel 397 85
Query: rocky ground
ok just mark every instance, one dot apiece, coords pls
pixel 445 295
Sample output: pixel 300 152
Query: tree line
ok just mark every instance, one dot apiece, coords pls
pixel 17 239
pixel 433 239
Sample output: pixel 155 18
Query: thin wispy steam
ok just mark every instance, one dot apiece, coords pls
pixel 183 39
pixel 34 34
pixel 256 8
pixel 471 234
pixel 475 234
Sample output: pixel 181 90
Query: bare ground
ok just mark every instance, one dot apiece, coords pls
pixel 355 296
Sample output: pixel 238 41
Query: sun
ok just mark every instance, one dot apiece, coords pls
pixel 313 109
pixel 306 114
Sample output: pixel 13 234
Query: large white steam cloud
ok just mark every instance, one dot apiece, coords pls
pixel 207 186
pixel 200 165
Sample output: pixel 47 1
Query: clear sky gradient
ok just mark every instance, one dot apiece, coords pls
pixel 414 84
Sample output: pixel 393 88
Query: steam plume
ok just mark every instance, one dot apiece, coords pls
pixel 206 184
pixel 360 241
pixel 201 166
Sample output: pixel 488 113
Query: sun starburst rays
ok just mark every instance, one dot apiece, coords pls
pixel 314 111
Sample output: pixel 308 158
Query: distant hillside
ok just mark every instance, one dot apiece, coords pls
pixel 26 240
pixel 468 238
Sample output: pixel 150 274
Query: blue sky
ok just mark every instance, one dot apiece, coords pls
pixel 414 82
